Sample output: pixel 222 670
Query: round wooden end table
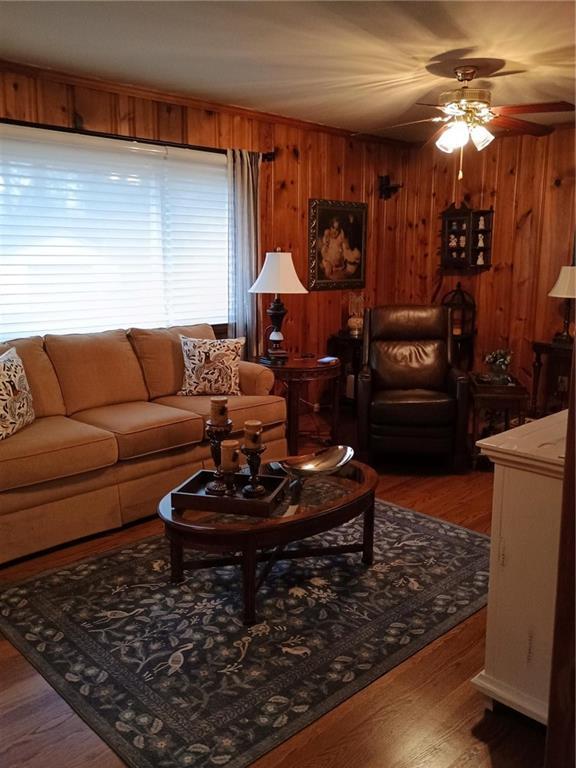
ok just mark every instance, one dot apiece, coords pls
pixel 325 503
pixel 296 371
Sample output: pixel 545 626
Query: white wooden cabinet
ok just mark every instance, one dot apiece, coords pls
pixel 528 473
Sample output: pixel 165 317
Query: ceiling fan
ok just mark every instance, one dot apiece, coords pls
pixel 467 111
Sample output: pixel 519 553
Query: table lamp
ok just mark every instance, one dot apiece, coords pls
pixel 565 288
pixel 277 276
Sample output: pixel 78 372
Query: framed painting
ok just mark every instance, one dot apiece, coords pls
pixel 336 245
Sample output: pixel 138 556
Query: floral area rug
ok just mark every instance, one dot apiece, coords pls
pixel 169 676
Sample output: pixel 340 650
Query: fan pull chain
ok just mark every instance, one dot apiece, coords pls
pixel 460 172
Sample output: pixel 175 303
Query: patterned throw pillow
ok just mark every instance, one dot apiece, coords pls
pixel 15 398
pixel 211 366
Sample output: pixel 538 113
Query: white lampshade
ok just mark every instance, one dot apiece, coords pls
pixel 278 275
pixel 480 136
pixel 565 285
pixel 453 137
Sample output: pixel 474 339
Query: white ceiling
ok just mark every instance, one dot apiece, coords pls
pixel 355 65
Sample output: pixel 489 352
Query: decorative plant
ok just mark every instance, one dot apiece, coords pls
pixel 499 359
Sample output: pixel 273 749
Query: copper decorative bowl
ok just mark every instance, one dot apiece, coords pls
pixel 323 462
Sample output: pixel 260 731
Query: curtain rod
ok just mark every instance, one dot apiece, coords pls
pixel 266 156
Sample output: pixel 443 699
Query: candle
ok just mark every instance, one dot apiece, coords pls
pixel 219 410
pixel 229 455
pixel 253 433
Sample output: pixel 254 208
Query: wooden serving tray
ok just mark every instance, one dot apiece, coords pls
pixel 192 495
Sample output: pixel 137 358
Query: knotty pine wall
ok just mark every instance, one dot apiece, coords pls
pixel 530 184
pixel 528 181
pixel 310 162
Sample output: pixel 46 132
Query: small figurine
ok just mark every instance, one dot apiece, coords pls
pixel 454 255
pixel 462 241
pixel 453 225
pixel 480 259
pixel 452 241
pixel 480 240
pixel 463 226
pixel 481 224
pixel 463 255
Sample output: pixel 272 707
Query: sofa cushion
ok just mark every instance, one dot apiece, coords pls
pixel 141 428
pixel 211 366
pixel 54 447
pixel 160 354
pixel 46 392
pixel 422 407
pixel 16 409
pixel 269 409
pixel 96 369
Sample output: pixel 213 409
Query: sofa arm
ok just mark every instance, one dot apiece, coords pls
pixel 255 379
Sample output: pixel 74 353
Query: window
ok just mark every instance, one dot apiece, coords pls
pixel 101 233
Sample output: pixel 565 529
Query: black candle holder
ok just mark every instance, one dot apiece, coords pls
pixel 229 484
pixel 254 487
pixel 216 433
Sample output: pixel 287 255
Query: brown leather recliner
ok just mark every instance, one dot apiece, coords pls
pixel 410 398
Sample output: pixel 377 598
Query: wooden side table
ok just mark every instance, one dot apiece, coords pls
pixel 505 398
pixel 295 372
pixel 559 358
pixel 349 350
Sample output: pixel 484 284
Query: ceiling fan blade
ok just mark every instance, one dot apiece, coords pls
pixel 512 124
pixel 527 109
pixel 415 122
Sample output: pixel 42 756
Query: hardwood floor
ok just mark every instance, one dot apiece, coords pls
pixel 422 714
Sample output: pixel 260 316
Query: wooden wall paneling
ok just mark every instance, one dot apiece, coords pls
pixel 54 103
pixel 18 100
pixel 526 253
pixel 493 320
pixel 286 223
pixel 333 301
pixel 411 251
pixel 445 191
pixel 202 127
pixel 145 123
pixel 125 116
pixel 353 174
pixel 170 121
pixel 310 188
pixel 529 181
pixel 558 231
pixel 483 289
pixel 390 292
pixel 94 110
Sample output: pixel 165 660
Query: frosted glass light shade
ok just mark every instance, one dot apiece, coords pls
pixel 278 275
pixel 565 285
pixel 481 137
pixel 455 136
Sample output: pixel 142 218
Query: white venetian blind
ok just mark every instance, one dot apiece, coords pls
pixel 100 233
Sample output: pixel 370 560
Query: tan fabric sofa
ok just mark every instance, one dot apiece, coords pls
pixel 111 435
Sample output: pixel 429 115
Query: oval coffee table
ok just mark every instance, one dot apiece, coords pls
pixel 326 502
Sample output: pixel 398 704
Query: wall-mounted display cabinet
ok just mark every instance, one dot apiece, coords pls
pixel 466 238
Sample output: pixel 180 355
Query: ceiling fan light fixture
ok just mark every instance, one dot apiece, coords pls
pixel 453 137
pixel 481 137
